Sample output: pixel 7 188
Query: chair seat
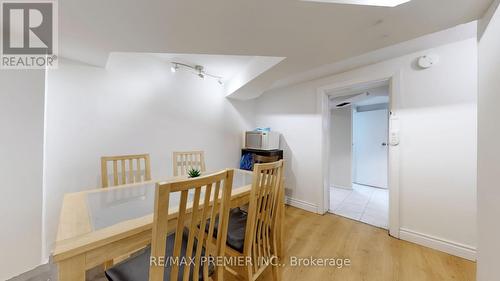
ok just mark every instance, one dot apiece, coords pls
pixel 235 230
pixel 136 268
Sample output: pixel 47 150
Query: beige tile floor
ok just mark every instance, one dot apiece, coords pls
pixel 363 203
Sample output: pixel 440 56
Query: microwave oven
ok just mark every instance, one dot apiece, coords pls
pixel 262 140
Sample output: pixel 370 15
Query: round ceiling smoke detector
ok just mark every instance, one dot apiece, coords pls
pixel 427 61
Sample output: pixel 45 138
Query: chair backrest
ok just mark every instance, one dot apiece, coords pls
pixel 125 169
pixel 185 160
pixel 261 227
pixel 211 201
pixel 258 159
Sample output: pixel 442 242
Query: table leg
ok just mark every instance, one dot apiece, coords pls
pixel 72 269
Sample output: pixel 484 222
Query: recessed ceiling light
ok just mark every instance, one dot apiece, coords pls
pixel 382 3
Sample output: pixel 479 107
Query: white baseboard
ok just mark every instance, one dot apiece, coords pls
pixel 342 187
pixel 443 245
pixel 301 204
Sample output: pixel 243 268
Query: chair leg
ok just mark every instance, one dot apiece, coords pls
pixel 276 271
pixel 248 273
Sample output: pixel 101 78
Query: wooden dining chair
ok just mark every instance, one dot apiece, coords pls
pixel 181 237
pixel 255 234
pixel 185 160
pixel 125 169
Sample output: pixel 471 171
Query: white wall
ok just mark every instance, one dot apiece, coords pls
pixel 438 140
pixel 489 151
pixel 136 105
pixel 21 168
pixel 341 148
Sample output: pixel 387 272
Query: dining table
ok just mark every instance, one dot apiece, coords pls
pixel 102 224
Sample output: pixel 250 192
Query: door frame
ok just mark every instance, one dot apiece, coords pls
pixel 343 88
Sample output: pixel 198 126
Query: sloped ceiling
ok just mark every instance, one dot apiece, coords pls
pixel 307 34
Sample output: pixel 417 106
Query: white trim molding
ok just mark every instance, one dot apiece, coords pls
pixel 310 207
pixel 342 187
pixel 443 245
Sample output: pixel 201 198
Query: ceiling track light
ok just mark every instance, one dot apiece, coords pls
pixel 199 70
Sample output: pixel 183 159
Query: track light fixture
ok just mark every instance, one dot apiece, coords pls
pixel 199 70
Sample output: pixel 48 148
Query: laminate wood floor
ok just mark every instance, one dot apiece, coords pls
pixel 374 255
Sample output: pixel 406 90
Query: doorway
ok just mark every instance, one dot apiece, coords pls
pixel 358 172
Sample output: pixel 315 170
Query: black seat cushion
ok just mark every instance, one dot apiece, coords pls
pixel 136 268
pixel 235 230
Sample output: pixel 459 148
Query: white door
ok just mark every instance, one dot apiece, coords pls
pixel 370 131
